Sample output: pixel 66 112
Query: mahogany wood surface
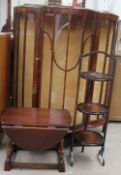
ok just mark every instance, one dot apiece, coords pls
pixel 35 138
pixel 35 129
pixel 92 108
pixel 90 137
pixel 36 117
pixel 4 70
pixel 11 163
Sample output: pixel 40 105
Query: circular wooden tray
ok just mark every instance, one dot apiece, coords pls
pixel 96 76
pixel 91 124
pixel 92 108
pixel 90 138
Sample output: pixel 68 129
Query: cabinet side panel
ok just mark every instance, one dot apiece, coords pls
pixel 4 70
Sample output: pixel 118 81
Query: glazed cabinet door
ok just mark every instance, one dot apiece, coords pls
pixel 27 25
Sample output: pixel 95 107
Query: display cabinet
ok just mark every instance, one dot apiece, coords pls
pixel 48 43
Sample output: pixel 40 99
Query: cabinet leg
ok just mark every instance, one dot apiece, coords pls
pixel 7 166
pixel 14 147
pixel 61 164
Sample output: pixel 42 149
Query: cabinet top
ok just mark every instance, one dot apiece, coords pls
pixel 29 8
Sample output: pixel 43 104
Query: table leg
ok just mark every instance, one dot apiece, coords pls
pixel 8 163
pixel 61 164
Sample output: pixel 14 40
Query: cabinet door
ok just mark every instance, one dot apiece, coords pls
pixel 4 69
pixel 62 43
pixel 27 24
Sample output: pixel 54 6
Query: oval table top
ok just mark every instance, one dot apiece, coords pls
pixel 36 117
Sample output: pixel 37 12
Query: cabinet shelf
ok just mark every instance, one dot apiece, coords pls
pixel 96 76
pixel 92 108
pixel 90 138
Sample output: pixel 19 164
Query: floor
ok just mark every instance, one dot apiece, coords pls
pixel 85 163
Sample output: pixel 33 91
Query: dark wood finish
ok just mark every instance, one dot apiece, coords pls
pixel 4 71
pixel 92 108
pixel 36 129
pixel 16 54
pixel 4 74
pixel 90 138
pixel 10 163
pixel 35 138
pixel 9 156
pixel 61 164
pixel 36 117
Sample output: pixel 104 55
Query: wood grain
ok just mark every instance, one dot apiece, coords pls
pixel 4 70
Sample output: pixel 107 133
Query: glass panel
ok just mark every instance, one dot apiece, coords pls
pixel 61 56
pixel 46 61
pixel 58 86
pixel 20 59
pixel 29 58
pixel 74 46
pixel 27 40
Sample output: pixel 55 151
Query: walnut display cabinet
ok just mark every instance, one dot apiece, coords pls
pixel 48 43
pixel 64 58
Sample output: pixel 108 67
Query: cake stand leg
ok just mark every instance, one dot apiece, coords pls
pixel 100 156
pixel 71 154
pixel 82 150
